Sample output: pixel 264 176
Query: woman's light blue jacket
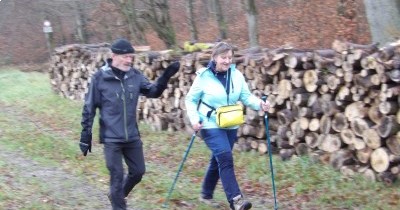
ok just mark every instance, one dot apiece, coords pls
pixel 210 90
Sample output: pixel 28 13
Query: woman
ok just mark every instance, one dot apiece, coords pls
pixel 220 84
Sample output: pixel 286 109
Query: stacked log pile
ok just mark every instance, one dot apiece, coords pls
pixel 339 105
pixel 73 65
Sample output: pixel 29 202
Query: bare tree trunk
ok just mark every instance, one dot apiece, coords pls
pixel 386 25
pixel 136 31
pixel 157 15
pixel 206 10
pixel 80 20
pixel 220 19
pixel 191 20
pixel 251 13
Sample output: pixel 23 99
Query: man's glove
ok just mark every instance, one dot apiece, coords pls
pixel 85 143
pixel 171 69
pixel 167 74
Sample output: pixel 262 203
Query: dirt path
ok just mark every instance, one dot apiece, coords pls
pixel 26 183
pixel 37 183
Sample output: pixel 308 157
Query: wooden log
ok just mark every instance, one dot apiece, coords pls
pixel 314 124
pixel 304 123
pixel 369 174
pixel 359 125
pixel 310 80
pixel 359 143
pixel 388 126
pixel 276 67
pixel 394 75
pixel 325 124
pixel 319 156
pixel 398 116
pixel 355 110
pixel 374 114
pixel 284 89
pixel 283 143
pixel 293 60
pixel 323 59
pixel 312 99
pixel 393 144
pixel 363 155
pixel 343 96
pixel 387 177
pixel 341 158
pixel 248 130
pixel 347 136
pixel 312 139
pixel 380 160
pixel 243 144
pixel 346 47
pixel 395 169
pixel 282 131
pixel 302 149
pixel 286 154
pixel 339 122
pixel 262 148
pixel 348 170
pixel 371 138
pixel 388 107
pixel 297 130
pixel 329 142
pixel 253 143
pixel 328 106
pixel 394 159
pixel 300 96
pixel 368 81
pixel 285 117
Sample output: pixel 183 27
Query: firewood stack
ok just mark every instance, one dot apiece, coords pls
pixel 73 65
pixel 340 106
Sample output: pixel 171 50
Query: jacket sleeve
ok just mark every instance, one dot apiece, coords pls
pixel 192 99
pixel 247 97
pixel 153 90
pixel 92 101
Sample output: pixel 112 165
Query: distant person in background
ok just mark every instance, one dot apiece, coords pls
pixel 114 89
pixel 208 92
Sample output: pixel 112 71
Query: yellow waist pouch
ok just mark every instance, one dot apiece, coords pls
pixel 231 115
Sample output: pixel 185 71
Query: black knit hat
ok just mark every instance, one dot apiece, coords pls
pixel 122 46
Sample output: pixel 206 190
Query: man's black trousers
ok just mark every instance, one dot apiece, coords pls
pixel 120 186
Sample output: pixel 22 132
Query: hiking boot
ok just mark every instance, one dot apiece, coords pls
pixel 239 203
pixel 210 202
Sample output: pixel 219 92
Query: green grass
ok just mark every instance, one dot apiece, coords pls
pixel 46 127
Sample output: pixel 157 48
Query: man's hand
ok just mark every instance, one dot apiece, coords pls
pixel 172 69
pixel 85 143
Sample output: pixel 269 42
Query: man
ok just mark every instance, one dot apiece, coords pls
pixel 115 90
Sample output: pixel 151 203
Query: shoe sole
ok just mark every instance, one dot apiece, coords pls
pixel 247 206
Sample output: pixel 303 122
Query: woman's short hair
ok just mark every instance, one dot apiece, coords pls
pixel 220 48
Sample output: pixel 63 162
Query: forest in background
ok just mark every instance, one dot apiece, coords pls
pixel 165 24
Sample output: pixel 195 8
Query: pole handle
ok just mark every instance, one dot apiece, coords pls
pixel 264 98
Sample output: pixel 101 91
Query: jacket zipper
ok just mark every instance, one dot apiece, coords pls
pixel 124 105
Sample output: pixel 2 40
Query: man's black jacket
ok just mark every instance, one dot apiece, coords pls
pixel 117 101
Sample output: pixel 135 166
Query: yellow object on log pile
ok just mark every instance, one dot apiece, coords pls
pixel 189 46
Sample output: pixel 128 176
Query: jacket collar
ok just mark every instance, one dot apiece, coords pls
pixel 109 74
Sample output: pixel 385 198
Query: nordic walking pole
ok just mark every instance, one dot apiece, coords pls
pixel 179 170
pixel 264 98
